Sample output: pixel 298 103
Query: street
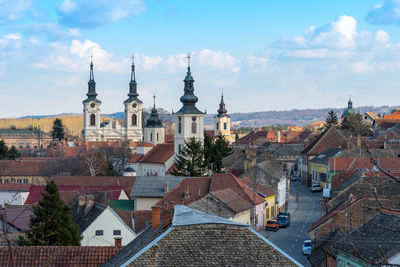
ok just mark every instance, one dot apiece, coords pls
pixel 305 209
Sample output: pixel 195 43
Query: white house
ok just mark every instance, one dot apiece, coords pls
pixel 100 225
pixel 13 194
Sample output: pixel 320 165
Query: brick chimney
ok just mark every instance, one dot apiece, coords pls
pixel 166 188
pixel 162 216
pixel 155 217
pixel 81 201
pixel 186 196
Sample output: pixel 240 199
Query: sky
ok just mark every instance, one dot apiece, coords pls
pixel 264 55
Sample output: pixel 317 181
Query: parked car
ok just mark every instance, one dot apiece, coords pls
pixel 307 247
pixel 316 188
pixel 283 221
pixel 293 177
pixel 284 213
pixel 272 225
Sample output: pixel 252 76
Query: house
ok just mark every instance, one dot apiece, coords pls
pixel 101 194
pixel 383 248
pixel 193 189
pixel 26 170
pixel 287 154
pixel 196 238
pixel 155 162
pixel 100 225
pixel 254 138
pixel 319 166
pixel 13 194
pixel 330 138
pixel 25 138
pixel 56 256
pixel 16 219
pixel 370 117
pixel 148 190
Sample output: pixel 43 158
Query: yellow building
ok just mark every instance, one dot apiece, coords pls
pixel 222 122
pixel 319 167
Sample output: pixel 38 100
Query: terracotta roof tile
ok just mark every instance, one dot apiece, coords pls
pixel 25 167
pixel 235 202
pixel 14 187
pixel 135 158
pixel 159 154
pixel 57 256
pixel 331 137
pixel 145 144
pixel 142 219
pixel 341 164
pixel 263 189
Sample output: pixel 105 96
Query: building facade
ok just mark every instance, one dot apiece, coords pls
pixel 111 130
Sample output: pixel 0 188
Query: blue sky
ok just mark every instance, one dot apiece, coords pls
pixel 264 55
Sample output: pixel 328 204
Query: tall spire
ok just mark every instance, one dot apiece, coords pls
pixel 133 85
pixel 350 103
pixel 154 120
pixel 222 110
pixel 154 101
pixel 91 84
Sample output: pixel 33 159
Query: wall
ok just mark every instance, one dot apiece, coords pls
pixel 107 221
pixel 243 217
pixel 260 216
pixel 186 131
pixel 270 211
pixel 13 197
pixel 281 192
pixel 145 203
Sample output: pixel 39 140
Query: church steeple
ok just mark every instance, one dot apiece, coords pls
pixel 133 95
pixel 189 99
pixel 222 110
pixel 154 120
pixel 350 103
pixel 91 95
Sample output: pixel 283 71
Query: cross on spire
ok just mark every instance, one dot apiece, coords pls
pixel 188 59
pixel 133 74
pixel 154 100
pixel 91 78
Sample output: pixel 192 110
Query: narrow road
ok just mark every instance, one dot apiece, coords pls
pixel 305 209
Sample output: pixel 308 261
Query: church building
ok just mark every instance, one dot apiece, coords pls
pixel 112 130
pixel 222 122
pixel 349 110
pixel 189 121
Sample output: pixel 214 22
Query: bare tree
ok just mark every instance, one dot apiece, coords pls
pixel 95 162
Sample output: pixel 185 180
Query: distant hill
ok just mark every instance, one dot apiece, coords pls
pixel 299 117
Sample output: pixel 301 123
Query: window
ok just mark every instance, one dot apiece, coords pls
pixel 6 181
pixel 19 181
pixel 92 120
pixel 224 125
pixel 179 148
pixel 151 137
pixel 113 124
pixel 157 136
pixel 1 181
pixel 117 232
pixel 25 181
pixel 194 127
pixel 179 124
pixel 99 233
pixel 217 125
pixel 134 120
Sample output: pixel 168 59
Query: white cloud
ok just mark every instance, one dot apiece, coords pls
pixel 52 31
pixel 386 13
pixel 11 10
pixel 256 64
pixel 89 13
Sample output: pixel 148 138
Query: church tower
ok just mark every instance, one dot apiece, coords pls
pixel 154 129
pixel 133 111
pixel 222 122
pixel 91 111
pixel 189 121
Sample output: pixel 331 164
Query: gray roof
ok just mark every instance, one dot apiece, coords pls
pixel 153 186
pixel 187 216
pixel 82 218
pixel 323 158
pixel 375 241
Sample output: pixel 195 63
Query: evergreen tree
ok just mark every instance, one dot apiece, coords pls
pixel 354 124
pixel 13 153
pixel 331 118
pixel 190 160
pixel 237 139
pixel 58 130
pixel 221 149
pixel 52 223
pixel 208 150
pixel 3 150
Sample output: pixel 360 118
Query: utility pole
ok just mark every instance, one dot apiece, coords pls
pixel 287 189
pixel 254 200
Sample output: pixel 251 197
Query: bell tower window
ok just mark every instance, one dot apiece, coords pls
pixel 92 120
pixel 134 120
pixel 113 125
pixel 179 124
pixel 194 127
pixel 224 125
pixel 217 125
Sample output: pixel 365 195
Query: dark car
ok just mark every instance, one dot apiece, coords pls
pixel 284 213
pixel 283 221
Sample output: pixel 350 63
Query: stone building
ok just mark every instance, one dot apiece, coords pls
pixel 25 138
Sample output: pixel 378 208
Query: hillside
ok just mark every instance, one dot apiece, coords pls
pixel 300 117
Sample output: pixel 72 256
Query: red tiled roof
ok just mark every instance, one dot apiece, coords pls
pixel 263 189
pixel 159 154
pixel 331 214
pixel 24 167
pixel 126 216
pixel 222 181
pixel 393 116
pixel 18 217
pixel 172 169
pixel 330 138
pixel 111 192
pixel 209 133
pixel 198 188
pixel 386 123
pixel 252 137
pixel 237 172
pixel 340 164
pixel 145 144
pixel 235 202
pixel 340 178
pixel 70 256
pixel 135 158
pixel 126 182
pixel 14 187
pixel 142 218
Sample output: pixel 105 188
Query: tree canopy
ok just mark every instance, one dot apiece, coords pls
pixel 354 124
pixel 190 160
pixel 6 153
pixel 58 130
pixel 331 118
pixel 52 223
pixel 215 152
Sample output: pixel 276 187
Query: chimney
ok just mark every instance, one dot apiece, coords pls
pixel 89 203
pixel 278 136
pixel 155 217
pixel 166 187
pixel 81 201
pixel 187 193
pixel 359 141
pixel 118 241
